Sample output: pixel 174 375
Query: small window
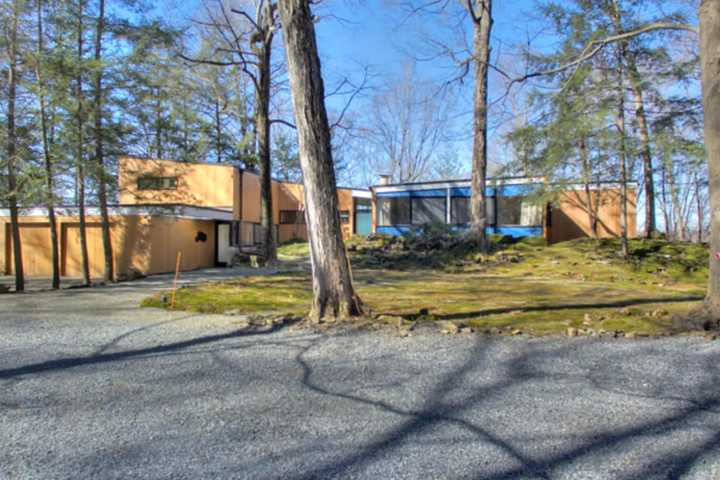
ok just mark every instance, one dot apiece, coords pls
pixel 345 216
pixel 157 183
pixel 291 217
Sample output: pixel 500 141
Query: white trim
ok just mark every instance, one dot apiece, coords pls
pixel 455 184
pixel 361 193
pixel 175 211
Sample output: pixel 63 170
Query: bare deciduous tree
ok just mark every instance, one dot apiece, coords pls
pixel 333 291
pixel 408 122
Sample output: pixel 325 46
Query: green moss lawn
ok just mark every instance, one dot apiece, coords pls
pixel 527 286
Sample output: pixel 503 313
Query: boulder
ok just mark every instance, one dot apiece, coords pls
pixel 572 332
pixel 448 327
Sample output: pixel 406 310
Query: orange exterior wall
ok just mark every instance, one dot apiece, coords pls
pixel 286 196
pixel 144 244
pixel 199 184
pixel 570 215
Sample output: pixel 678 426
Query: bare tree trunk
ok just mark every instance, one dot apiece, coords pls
pixel 622 152
pixel 55 255
pixel 645 150
pixel 663 192
pixel 710 63
pixel 80 172
pixel 587 174
pixel 12 151
pixel 481 11
pixel 109 273
pixel 334 294
pixel 262 122
pixel 679 226
pixel 698 209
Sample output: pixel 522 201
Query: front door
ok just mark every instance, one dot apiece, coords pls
pixel 363 216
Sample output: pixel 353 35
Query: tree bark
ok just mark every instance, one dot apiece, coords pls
pixel 55 254
pixel 101 177
pixel 80 166
pixel 622 153
pixel 710 63
pixel 262 122
pixel 645 149
pixel 11 149
pixel 333 292
pixel 482 19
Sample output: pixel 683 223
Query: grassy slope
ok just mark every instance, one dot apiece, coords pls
pixel 535 288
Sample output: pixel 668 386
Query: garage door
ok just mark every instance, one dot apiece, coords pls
pixel 36 251
pixel 71 256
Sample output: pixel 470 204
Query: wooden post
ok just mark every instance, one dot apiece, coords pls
pixel 175 279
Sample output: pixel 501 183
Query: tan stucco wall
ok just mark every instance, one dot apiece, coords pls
pixel 199 184
pixel 146 244
pixel 286 196
pixel 570 215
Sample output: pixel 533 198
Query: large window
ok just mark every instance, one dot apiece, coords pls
pixel 157 183
pixel 460 213
pixel 291 217
pixel 393 211
pixel 428 210
pixel 518 210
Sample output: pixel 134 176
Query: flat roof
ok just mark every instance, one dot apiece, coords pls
pixel 164 210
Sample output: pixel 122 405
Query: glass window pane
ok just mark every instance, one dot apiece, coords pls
pixel 461 213
pixel 393 211
pixel 519 211
pixel 460 210
pixel 428 210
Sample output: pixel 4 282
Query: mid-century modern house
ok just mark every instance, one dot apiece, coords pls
pixel 202 210
pixel 514 207
pixel 206 211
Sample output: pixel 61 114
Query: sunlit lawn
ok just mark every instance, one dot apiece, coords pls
pixel 549 289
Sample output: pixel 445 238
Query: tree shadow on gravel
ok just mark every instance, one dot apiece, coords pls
pixel 450 400
pixel 100 357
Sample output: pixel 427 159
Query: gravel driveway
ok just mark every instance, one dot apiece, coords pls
pixel 93 387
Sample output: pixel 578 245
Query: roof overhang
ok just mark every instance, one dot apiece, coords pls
pixel 174 211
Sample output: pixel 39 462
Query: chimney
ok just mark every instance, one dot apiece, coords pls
pixel 384 179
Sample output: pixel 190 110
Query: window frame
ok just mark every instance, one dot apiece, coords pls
pixel 156 183
pixel 282 220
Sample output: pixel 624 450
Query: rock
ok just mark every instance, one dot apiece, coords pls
pixel 466 330
pixel 233 312
pixel 711 336
pixel 391 319
pixel 449 327
pixel 572 332
pixel 631 335
pixel 625 311
pixel 242 324
pixel 516 332
pixel 587 320
pixel 591 332
pixel 659 313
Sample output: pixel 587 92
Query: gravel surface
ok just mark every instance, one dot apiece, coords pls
pixel 93 387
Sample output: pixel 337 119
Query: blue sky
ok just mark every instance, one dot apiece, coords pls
pixel 354 34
